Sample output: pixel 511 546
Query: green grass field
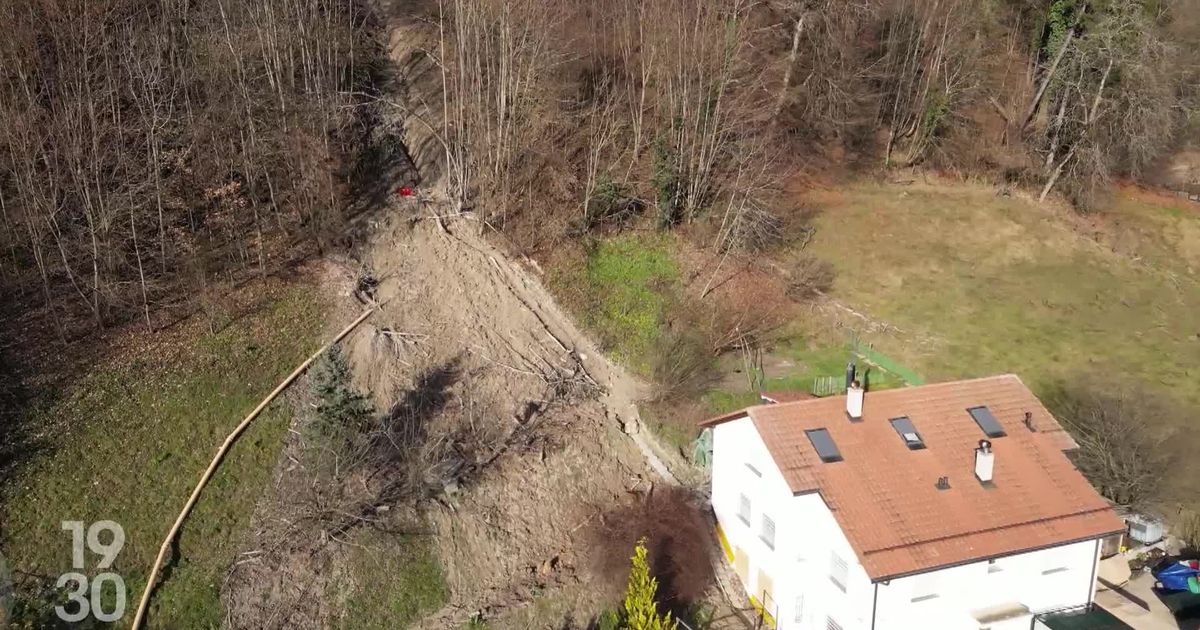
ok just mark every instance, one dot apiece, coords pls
pixel 139 429
pixel 979 284
pixel 622 292
pixel 397 579
pixel 808 359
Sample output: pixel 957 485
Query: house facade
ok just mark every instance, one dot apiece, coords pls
pixel 900 517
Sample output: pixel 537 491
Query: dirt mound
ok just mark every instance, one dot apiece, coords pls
pixel 521 523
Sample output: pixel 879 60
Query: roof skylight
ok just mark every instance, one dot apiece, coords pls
pixel 826 449
pixel 986 421
pixel 908 432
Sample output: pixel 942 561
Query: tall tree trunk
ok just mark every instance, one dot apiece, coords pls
pixel 137 252
pixel 1058 57
pixel 1056 174
pixel 791 65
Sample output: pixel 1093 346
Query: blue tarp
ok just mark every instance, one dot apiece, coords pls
pixel 1173 575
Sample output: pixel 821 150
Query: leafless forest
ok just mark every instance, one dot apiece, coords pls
pixel 148 150
pixel 697 109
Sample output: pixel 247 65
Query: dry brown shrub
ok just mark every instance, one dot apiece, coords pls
pixel 678 539
pixel 1127 435
pixel 750 227
pixel 1185 524
pixel 808 277
pixel 683 365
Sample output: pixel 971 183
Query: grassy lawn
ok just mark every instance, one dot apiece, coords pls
pixel 397 580
pixel 980 284
pixel 796 363
pixel 622 291
pixel 139 430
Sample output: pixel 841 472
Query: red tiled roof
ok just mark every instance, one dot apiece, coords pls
pixel 884 495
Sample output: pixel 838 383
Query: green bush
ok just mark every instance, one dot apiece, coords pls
pixel 605 200
pixel 611 203
pixel 935 114
pixel 609 620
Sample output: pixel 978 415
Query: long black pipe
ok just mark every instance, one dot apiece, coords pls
pixel 874 605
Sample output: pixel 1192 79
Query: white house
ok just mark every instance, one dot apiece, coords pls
pixel 941 506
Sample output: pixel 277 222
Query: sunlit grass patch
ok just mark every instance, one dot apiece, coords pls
pixel 622 290
pixel 396 580
pixel 137 431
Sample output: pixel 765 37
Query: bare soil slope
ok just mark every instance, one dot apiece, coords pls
pixel 452 302
pixel 465 301
pixel 516 365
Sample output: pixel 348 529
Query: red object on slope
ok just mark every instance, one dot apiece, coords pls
pixel 404 191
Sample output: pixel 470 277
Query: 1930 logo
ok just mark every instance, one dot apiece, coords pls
pixel 87 596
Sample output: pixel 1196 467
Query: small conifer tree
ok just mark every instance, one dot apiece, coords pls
pixel 640 609
pixel 342 412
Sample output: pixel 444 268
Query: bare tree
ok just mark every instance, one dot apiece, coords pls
pixel 1120 451
pixel 494 56
pixel 1116 97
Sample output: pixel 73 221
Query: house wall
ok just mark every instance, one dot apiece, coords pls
pixel 807 537
pixel 794 578
pixel 1043 580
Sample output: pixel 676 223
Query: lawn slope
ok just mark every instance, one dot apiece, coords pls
pixel 130 439
pixel 978 284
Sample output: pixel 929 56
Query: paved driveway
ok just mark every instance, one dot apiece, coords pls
pixel 1136 604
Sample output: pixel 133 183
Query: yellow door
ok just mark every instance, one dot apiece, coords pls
pixel 741 564
pixel 764 594
pixel 766 588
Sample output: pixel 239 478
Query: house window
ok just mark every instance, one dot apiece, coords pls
pixel 768 531
pixel 744 509
pixel 799 609
pixel 925 587
pixel 838 571
pixel 994 567
pixel 830 624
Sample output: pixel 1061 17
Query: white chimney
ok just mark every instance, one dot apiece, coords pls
pixel 984 461
pixel 854 401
